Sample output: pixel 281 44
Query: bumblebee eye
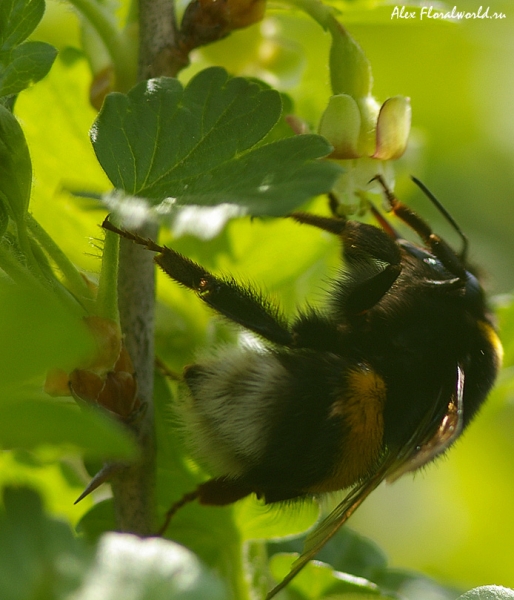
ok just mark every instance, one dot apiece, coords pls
pixel 444 271
pixel 473 287
pixel 418 252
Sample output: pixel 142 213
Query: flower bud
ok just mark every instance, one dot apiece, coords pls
pixel 350 71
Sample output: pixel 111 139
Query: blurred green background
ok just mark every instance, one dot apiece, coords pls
pixel 453 521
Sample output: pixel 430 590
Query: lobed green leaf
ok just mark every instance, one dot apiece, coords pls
pixel 198 145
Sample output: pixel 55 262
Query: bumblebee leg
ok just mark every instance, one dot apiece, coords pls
pixel 361 243
pixel 214 492
pixel 333 204
pixel 439 247
pixel 370 291
pixel 222 491
pixel 335 225
pixel 240 304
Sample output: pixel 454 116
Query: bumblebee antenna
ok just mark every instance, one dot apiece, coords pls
pixel 446 215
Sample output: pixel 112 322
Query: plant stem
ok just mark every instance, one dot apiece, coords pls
pixel 158 41
pixel 107 298
pixel 74 280
pixel 323 14
pixel 133 487
pixel 119 46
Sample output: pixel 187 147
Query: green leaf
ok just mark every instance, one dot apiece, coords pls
pixel 39 557
pixel 257 521
pixel 99 519
pixel 59 103
pixel 198 145
pixel 210 532
pixel 24 65
pixel 347 551
pixel 21 64
pixel 140 137
pixel 30 423
pixel 127 566
pixel 15 166
pixel 409 584
pixel 318 580
pixel 36 334
pixel 270 180
pixel 350 552
pixel 19 18
pixel 4 216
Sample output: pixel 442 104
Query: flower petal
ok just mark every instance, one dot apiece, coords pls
pixel 393 128
pixel 341 124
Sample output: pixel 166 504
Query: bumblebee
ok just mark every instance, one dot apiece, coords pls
pixel 378 383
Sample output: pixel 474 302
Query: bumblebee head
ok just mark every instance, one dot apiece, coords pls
pixel 377 256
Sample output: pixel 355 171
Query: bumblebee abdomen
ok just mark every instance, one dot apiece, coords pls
pixel 307 422
pixel 360 412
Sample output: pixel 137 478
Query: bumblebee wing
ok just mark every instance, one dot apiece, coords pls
pixel 422 447
pixel 450 427
pixel 335 520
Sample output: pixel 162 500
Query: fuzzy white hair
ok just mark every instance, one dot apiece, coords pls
pixel 227 411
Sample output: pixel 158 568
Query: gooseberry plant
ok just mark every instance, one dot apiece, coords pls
pixel 179 152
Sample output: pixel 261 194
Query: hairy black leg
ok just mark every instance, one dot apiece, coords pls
pixel 438 246
pixel 240 304
pixel 333 225
pixel 361 244
pixel 214 492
